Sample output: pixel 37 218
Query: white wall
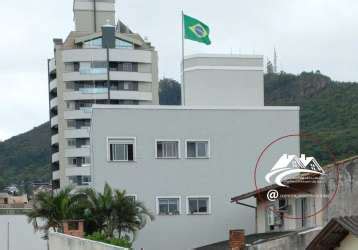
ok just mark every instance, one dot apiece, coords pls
pixel 59 241
pixel 224 80
pixel 236 136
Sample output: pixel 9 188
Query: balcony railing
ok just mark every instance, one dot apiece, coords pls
pixel 93 90
pixel 93 71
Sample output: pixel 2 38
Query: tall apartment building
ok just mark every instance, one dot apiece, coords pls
pixel 98 63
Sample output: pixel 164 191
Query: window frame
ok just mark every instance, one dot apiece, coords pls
pixel 132 195
pixel 167 197
pixel 121 138
pixel 166 158
pixel 198 197
pixel 198 140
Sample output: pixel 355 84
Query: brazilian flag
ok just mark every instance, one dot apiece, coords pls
pixel 196 30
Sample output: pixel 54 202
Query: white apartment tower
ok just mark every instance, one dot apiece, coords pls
pixel 98 63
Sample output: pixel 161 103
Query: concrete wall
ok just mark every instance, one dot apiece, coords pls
pixel 59 241
pixel 224 80
pixel 291 241
pixel 345 202
pixel 84 14
pixel 236 136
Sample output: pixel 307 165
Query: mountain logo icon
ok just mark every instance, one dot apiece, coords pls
pixel 289 165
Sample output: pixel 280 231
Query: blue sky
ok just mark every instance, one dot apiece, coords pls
pixel 309 35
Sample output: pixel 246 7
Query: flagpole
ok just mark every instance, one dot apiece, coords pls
pixel 183 55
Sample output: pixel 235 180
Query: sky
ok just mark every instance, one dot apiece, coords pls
pixel 308 34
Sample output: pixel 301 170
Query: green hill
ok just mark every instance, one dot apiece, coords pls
pixel 329 112
pixel 26 157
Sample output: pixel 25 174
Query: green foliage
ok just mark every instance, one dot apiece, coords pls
pixel 111 214
pixel 328 112
pixel 26 158
pixel 169 92
pixel 121 242
pixel 50 210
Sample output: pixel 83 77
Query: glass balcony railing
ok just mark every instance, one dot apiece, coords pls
pixel 93 71
pixel 93 90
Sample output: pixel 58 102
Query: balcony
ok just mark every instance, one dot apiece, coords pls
pixel 116 55
pixel 54 103
pixel 77 133
pixel 77 76
pixel 78 171
pixel 101 93
pixel 83 113
pixel 52 65
pixel 54 139
pixel 53 84
pixel 54 121
pixel 55 157
pixel 78 152
pixel 86 94
pixel 130 76
pixel 99 75
pixel 56 175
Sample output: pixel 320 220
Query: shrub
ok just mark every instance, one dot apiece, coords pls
pixel 121 242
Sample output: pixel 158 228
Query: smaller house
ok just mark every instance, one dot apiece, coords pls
pixel 339 234
pixel 4 198
pixel 293 201
pixel 7 199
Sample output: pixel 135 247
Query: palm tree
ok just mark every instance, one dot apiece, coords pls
pixel 129 216
pixel 113 213
pixel 51 209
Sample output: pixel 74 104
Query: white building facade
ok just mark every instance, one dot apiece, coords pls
pixel 186 162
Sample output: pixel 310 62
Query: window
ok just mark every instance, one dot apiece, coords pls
pixel 80 180
pixel 197 149
pixel 127 67
pixel 94 67
pixel 198 205
pixel 120 44
pixel 73 225
pixel 93 44
pixel 72 142
pixel 131 197
pixel 167 149
pixel 121 149
pixel 168 205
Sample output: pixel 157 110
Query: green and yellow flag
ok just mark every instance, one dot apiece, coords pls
pixel 196 30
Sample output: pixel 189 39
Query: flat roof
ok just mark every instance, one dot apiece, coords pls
pixel 224 56
pixel 218 108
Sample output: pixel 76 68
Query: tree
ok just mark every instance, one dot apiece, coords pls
pixel 113 213
pixel 130 216
pixel 169 92
pixel 51 209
